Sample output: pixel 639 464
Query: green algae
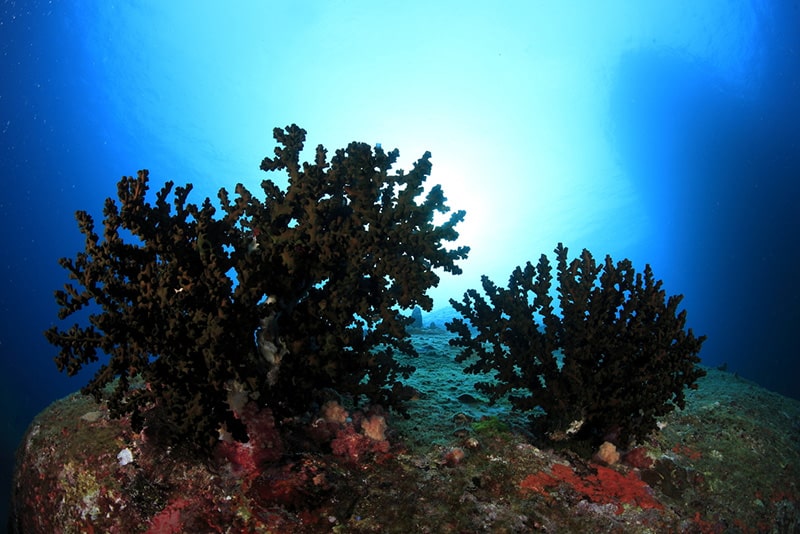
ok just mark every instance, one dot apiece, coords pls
pixel 491 427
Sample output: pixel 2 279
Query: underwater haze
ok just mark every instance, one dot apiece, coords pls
pixel 667 132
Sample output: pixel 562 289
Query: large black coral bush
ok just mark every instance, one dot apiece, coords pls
pixel 607 366
pixel 277 298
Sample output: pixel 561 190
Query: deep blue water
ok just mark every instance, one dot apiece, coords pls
pixel 705 147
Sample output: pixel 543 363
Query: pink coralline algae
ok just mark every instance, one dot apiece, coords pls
pixel 168 521
pixel 606 486
pixel 353 446
pixel 265 444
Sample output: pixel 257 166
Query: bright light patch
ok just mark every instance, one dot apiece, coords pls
pixel 511 99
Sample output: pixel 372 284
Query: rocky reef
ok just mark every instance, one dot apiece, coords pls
pixel 605 366
pixel 728 461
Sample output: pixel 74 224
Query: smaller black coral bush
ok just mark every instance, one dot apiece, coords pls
pixel 609 364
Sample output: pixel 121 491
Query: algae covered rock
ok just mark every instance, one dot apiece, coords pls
pixel 730 457
pixel 94 474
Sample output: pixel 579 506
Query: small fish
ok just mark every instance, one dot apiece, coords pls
pixel 253 245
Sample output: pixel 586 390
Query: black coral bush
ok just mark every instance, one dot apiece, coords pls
pixel 278 297
pixel 603 358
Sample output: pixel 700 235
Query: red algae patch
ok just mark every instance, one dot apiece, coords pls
pixel 604 486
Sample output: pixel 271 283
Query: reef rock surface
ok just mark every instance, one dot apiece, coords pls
pixel 728 462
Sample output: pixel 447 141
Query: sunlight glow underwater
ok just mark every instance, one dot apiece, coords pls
pixel 548 123
pixel 512 102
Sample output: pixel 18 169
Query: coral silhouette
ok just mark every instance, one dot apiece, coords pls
pixel 615 359
pixel 277 299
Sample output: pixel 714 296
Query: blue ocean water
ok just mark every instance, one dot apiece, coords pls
pixel 669 134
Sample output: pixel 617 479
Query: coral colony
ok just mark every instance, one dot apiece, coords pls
pixel 227 327
pixel 277 301
pixel 614 360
